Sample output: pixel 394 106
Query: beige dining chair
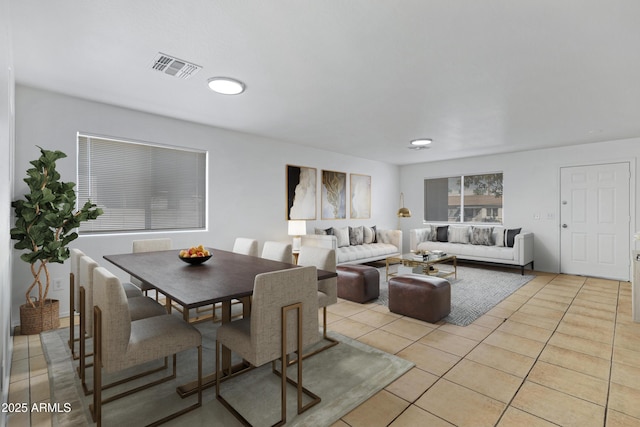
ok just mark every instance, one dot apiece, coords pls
pixel 283 320
pixel 277 251
pixel 74 295
pixel 74 298
pixel 322 259
pixel 149 245
pixel 140 307
pixel 121 343
pixel 245 246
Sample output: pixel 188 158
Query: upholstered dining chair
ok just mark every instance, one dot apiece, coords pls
pixel 120 343
pixel 74 298
pixel 140 307
pixel 283 320
pixel 323 259
pixel 149 245
pixel 277 251
pixel 74 295
pixel 245 246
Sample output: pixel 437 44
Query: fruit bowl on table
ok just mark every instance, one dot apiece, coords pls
pixel 195 260
pixel 194 255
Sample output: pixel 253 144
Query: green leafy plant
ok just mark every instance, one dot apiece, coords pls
pixel 46 220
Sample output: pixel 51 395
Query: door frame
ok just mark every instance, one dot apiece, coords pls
pixel 633 212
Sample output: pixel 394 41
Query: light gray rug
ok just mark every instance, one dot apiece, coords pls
pixel 473 293
pixel 344 376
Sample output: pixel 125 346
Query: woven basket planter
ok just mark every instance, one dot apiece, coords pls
pixel 34 320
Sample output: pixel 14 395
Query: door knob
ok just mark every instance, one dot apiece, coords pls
pixel 564 226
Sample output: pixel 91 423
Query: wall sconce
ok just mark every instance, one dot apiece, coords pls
pixel 403 212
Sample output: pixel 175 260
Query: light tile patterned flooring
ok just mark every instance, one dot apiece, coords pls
pixel 562 350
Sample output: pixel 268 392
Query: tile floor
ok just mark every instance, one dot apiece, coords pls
pixel 562 350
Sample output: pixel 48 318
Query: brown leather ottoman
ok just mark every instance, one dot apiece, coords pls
pixel 422 297
pixel 358 283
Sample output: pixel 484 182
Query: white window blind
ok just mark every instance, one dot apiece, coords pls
pixel 141 187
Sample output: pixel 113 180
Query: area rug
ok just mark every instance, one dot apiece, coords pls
pixel 473 293
pixel 344 376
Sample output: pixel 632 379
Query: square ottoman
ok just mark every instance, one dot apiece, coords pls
pixel 422 297
pixel 358 283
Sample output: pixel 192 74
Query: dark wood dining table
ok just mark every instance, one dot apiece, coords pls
pixel 224 277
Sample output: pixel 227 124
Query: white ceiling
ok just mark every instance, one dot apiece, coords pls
pixel 360 77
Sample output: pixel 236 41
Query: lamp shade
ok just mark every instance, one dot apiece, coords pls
pixel 297 228
pixel 403 212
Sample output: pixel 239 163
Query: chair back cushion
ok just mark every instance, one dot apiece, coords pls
pixel 323 259
pixel 271 292
pixel 109 295
pixel 277 251
pixel 149 245
pixel 74 261
pixel 245 246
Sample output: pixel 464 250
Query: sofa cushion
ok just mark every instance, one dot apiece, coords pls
pixel 356 235
pixel 465 250
pixel 365 251
pixel 481 236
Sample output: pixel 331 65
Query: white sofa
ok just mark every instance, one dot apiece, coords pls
pixel 462 243
pixel 388 243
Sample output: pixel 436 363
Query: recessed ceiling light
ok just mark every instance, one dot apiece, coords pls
pixel 421 142
pixel 226 85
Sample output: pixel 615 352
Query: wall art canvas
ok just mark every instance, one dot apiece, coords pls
pixel 301 192
pixel 360 196
pixel 334 195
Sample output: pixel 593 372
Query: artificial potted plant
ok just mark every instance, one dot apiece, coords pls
pixel 45 223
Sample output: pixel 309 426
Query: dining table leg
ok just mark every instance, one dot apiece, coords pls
pixel 210 379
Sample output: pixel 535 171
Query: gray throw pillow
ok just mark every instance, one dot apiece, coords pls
pixel 442 233
pixel 369 234
pixel 482 236
pixel 356 235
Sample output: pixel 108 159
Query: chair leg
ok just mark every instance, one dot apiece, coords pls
pixel 315 399
pixel 72 297
pixel 331 341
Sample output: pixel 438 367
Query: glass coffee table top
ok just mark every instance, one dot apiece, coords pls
pixel 428 264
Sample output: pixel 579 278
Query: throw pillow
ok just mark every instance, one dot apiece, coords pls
pixel 459 234
pixel 498 236
pixel 356 235
pixel 442 233
pixel 324 231
pixel 342 236
pixel 510 236
pixel 369 234
pixel 482 236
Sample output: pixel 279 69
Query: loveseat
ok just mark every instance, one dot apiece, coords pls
pixel 355 245
pixel 492 244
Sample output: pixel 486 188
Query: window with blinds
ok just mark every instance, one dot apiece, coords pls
pixel 141 186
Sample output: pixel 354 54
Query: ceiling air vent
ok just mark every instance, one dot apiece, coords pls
pixel 174 66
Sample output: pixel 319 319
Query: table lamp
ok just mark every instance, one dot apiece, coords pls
pixel 297 228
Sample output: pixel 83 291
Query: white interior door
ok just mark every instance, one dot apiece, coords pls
pixel 595 220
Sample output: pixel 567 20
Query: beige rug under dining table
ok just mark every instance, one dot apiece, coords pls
pixel 224 277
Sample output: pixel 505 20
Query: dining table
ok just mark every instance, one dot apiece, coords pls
pixel 226 276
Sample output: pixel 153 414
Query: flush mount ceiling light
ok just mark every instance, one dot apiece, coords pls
pixel 226 85
pixel 421 142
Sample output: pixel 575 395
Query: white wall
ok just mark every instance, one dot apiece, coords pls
pixel 531 186
pixel 6 179
pixel 247 194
